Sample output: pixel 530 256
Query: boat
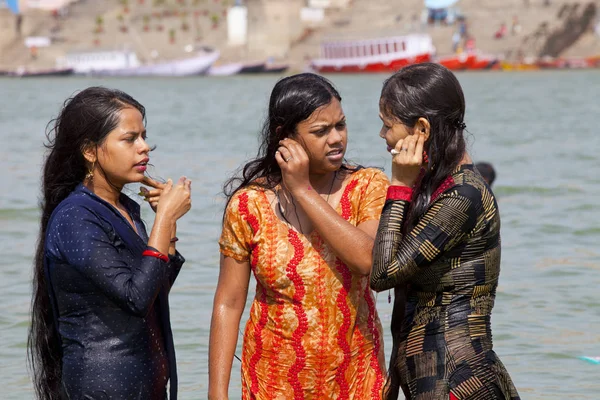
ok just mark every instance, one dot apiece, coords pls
pixel 276 68
pixel 26 73
pixel 253 67
pixel 225 69
pixel 248 68
pixel 567 63
pixel 519 66
pixel 472 61
pixel 126 63
pixel 385 54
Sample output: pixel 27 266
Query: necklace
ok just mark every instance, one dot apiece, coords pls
pixel 282 210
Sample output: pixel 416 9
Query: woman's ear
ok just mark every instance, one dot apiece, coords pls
pixel 422 126
pixel 90 153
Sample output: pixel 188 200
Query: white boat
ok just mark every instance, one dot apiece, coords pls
pixel 382 54
pixel 126 63
pixel 225 69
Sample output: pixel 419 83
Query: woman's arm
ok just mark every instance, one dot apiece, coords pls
pixel 228 306
pixel 397 258
pixel 352 244
pixel 80 239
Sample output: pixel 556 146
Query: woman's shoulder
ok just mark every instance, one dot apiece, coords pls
pixel 246 197
pixel 464 182
pixel 367 174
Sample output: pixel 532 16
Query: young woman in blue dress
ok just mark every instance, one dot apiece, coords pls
pixel 100 315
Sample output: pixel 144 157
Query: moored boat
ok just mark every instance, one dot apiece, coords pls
pixel 126 63
pixel 386 54
pixel 27 73
pixel 471 61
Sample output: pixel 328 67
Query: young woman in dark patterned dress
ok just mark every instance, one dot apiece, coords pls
pixel 438 245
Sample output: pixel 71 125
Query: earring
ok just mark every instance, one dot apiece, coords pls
pixel 425 157
pixel 90 175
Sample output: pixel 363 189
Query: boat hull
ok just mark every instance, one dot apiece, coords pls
pixel 372 67
pixel 198 65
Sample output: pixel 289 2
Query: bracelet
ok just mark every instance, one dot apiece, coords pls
pixel 399 193
pixel 156 254
pixel 174 239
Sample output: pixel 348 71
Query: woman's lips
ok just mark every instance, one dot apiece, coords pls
pixel 335 155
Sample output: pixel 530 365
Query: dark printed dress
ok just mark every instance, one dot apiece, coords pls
pixel 110 302
pixel 449 264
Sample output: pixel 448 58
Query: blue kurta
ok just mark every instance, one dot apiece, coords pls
pixel 110 301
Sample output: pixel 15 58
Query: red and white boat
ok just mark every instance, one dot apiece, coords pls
pixel 386 54
pixel 468 61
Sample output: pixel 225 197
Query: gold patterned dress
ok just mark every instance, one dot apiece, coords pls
pixel 313 331
pixel 450 263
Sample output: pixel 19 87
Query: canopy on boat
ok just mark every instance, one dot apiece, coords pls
pixel 436 4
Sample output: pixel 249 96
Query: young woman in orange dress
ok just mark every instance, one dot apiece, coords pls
pixel 302 221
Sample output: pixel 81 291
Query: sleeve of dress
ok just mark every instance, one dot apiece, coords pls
pixel 79 238
pixel 175 263
pixel 398 258
pixel 373 197
pixel 237 233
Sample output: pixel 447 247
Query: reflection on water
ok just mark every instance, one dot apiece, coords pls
pixel 540 137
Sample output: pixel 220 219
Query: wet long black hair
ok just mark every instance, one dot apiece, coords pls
pixel 292 101
pixel 84 120
pixel 432 92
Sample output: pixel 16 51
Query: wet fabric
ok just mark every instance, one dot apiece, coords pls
pixel 110 301
pixel 449 265
pixel 313 331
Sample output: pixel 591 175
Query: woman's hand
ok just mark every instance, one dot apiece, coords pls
pixel 152 196
pixel 294 164
pixel 407 160
pixel 175 200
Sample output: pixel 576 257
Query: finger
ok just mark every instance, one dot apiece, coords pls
pixel 419 147
pixel 285 153
pixel 153 193
pixel 181 180
pixel 409 145
pixel 152 183
pixel 280 161
pixel 168 186
pixel 399 147
pixel 188 185
pixel 296 150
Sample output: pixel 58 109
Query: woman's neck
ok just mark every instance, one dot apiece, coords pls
pixel 104 190
pixel 322 183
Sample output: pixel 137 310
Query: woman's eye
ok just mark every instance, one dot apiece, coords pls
pixel 341 125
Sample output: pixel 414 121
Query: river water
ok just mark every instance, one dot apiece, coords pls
pixel 538 129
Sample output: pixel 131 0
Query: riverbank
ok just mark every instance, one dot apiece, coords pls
pixel 161 33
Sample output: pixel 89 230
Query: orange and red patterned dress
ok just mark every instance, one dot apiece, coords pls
pixel 313 331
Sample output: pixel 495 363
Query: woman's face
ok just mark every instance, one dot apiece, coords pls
pixel 392 129
pixel 324 137
pixel 124 154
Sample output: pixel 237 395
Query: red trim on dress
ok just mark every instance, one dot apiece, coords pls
pixel 453 397
pixel 340 375
pixel 293 275
pixel 447 184
pixel 399 193
pixel 264 309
